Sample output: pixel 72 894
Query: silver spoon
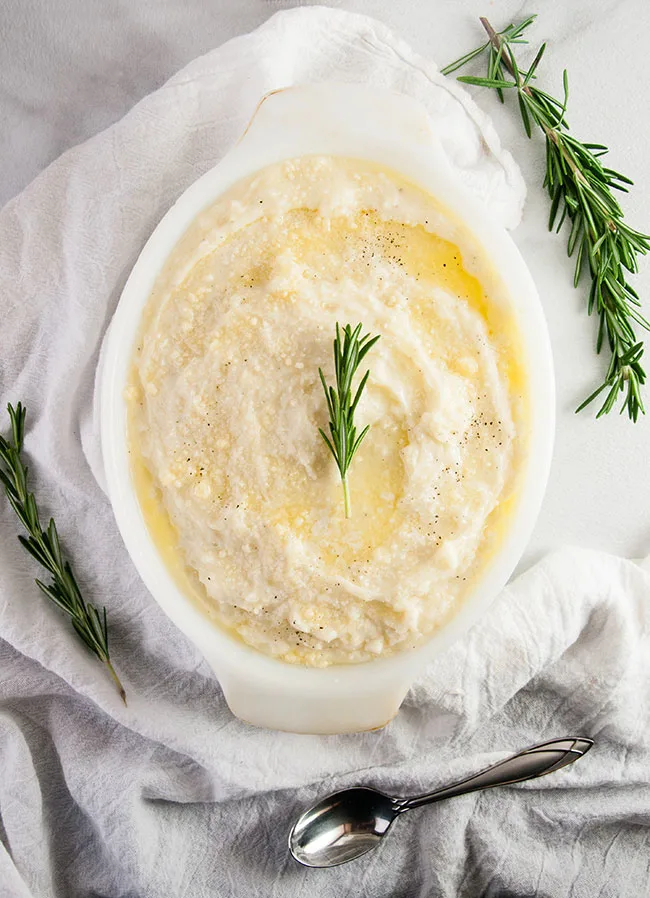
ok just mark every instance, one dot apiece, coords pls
pixel 347 824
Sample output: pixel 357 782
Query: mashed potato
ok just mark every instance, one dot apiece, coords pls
pixel 226 402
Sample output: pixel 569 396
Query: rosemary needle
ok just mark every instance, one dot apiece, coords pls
pixel 89 624
pixel 343 441
pixel 580 188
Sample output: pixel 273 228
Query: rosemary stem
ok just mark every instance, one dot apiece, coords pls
pixel 346 497
pixel 117 680
pixel 550 133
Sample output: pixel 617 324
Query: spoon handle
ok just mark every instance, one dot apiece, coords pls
pixel 532 762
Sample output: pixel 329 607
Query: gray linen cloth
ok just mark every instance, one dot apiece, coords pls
pixel 172 796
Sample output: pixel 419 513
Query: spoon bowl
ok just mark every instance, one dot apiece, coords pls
pixel 342 826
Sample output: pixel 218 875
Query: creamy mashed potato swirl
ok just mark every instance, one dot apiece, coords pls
pixel 226 404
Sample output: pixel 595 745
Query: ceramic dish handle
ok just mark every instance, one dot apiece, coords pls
pixel 311 120
pixel 308 703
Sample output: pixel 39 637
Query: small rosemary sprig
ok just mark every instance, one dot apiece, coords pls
pixel 44 545
pixel 580 188
pixel 349 352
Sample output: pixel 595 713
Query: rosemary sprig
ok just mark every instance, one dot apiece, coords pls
pixel 44 545
pixel 349 352
pixel 580 188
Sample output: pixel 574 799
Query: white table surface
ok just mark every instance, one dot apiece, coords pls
pixel 71 67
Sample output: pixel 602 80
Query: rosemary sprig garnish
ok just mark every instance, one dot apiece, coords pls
pixel 348 355
pixel 44 545
pixel 580 188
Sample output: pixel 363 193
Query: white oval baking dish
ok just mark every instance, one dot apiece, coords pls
pixel 395 131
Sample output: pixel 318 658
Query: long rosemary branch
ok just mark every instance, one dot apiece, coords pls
pixel 580 188
pixel 89 624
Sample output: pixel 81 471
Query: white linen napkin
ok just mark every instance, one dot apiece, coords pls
pixel 172 795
